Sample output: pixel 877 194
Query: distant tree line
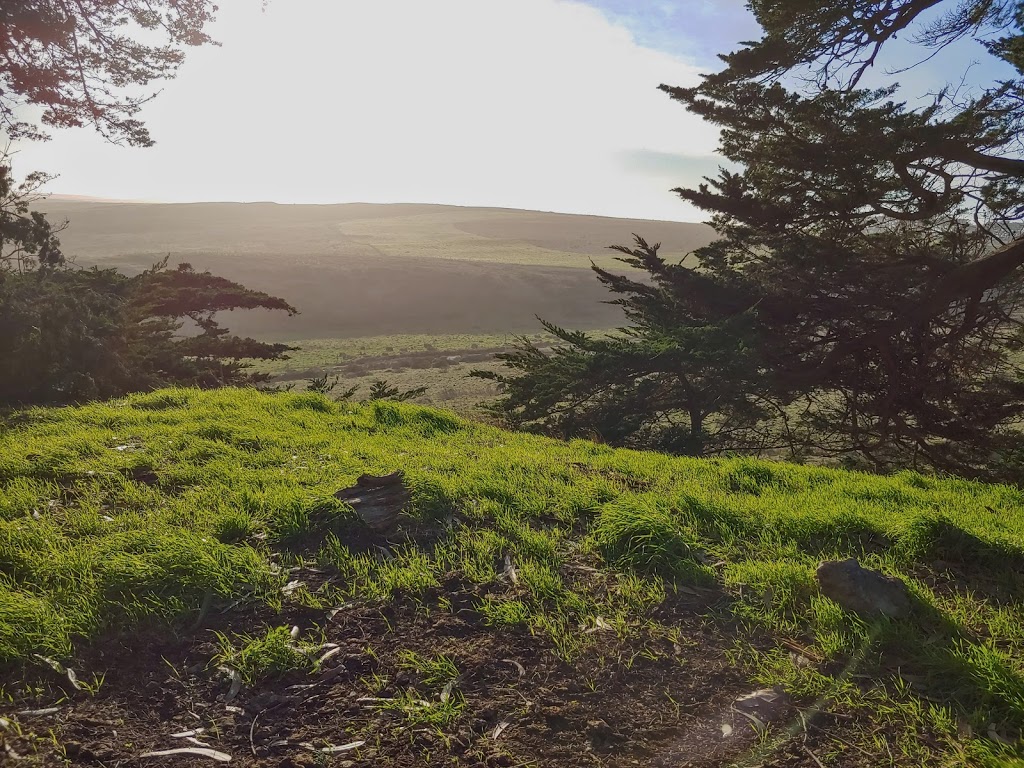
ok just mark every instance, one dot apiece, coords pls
pixel 69 334
pixel 863 300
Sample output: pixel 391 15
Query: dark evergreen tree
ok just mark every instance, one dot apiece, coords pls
pixel 676 380
pixel 69 335
pixel 868 266
pixel 27 240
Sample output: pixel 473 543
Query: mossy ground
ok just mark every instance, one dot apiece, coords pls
pixel 181 511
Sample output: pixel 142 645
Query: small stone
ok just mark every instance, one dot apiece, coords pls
pixel 766 704
pixel 864 591
pixel 601 734
pixel 377 500
pixel 78 751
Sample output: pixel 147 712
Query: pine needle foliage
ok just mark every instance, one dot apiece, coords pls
pixel 864 299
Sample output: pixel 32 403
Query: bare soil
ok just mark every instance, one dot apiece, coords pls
pixel 642 701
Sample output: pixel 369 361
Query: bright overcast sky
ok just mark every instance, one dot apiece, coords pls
pixel 538 104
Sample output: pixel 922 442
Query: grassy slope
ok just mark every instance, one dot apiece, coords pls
pixel 320 355
pixel 598 537
pixel 441 363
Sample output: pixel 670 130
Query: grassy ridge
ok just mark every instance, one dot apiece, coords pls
pixel 314 354
pixel 145 508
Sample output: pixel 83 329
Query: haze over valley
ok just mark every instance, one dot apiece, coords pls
pixel 357 270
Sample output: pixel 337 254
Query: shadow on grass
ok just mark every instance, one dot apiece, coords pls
pixel 992 569
pixel 946 663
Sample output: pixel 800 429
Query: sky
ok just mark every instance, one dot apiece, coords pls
pixel 537 104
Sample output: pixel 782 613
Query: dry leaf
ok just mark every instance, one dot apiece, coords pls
pixel 446 693
pixel 335 611
pixel 370 701
pixel 500 728
pixel 220 757
pixel 758 723
pixel 329 655
pixel 764 705
pixel 800 661
pixel 53 664
pixel 331 749
pixel 508 573
pixel 186 734
pixel 236 682
pixel 997 736
pixel 519 667
pixel 39 712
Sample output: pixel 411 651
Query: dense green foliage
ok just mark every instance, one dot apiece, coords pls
pixel 27 239
pixel 149 507
pixel 72 335
pixel 864 297
pixel 258 658
pixel 67 334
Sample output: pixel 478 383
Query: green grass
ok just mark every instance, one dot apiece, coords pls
pixel 326 353
pixel 440 363
pixel 407 361
pixel 259 658
pixel 577 534
pixel 436 671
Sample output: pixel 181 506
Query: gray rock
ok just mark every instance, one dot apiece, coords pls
pixel 763 706
pixel 864 591
pixel 377 500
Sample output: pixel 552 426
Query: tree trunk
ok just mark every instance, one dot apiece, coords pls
pixel 697 431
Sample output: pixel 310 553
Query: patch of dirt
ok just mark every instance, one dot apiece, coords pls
pixel 644 701
pixel 400 361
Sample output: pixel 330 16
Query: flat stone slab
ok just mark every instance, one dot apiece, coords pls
pixel 378 500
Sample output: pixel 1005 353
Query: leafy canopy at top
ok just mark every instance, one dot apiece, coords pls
pixel 76 59
pixel 71 334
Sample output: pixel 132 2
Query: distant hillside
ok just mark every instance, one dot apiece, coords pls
pixel 364 269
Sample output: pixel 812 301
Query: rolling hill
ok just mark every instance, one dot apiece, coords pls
pixel 358 269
